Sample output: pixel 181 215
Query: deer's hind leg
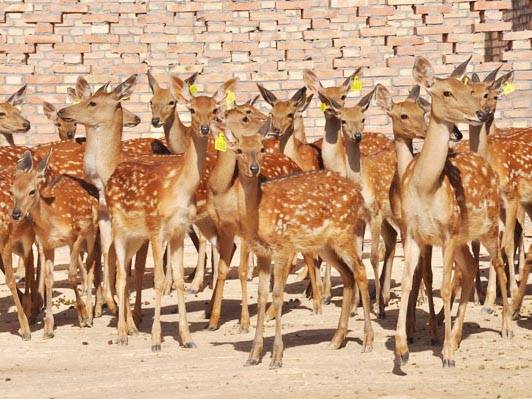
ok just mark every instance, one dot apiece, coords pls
pixel 140 267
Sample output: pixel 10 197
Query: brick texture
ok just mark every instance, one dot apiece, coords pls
pixel 48 43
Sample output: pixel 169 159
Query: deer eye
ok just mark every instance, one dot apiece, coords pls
pixel 2 114
pixel 92 104
pixel 486 95
pixel 263 150
pixel 363 120
pixel 239 151
pixel 343 97
pixel 496 97
pixel 192 111
pixel 404 116
pixel 248 111
pixel 32 192
pixel 343 122
pixel 215 111
pixel 171 103
pixel 245 119
pixel 447 93
pixel 290 115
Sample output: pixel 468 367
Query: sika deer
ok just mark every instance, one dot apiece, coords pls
pixel 442 206
pixel 341 151
pixel 313 212
pixel 155 202
pixel 11 119
pixel 65 130
pixel 63 213
pixel 287 126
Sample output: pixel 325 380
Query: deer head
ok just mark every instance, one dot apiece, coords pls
pixel 163 103
pixel 408 116
pixel 452 101
pixel 83 91
pixel 489 90
pixel 11 119
pixel 99 108
pixel 27 184
pixel 245 135
pixel 352 119
pixel 65 129
pixel 284 112
pixel 206 111
pixel 336 93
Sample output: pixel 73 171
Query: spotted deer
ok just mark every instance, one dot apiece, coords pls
pixel 65 130
pixel 155 202
pixel 311 212
pixel 63 212
pixel 448 200
pixel 287 126
pixel 517 300
pixel 227 208
pixel 11 119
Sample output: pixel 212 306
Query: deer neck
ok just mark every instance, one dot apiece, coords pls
pixel 194 161
pixel 333 150
pixel 103 149
pixel 175 134
pixel 478 137
pixel 354 165
pixel 426 175
pixel 405 151
pixel 299 128
pixel 222 175
pixel 9 139
pixel 252 195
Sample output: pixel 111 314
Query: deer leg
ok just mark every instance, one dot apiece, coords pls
pixel 106 240
pixel 525 271
pixel 263 264
pixel 122 259
pixel 158 272
pixel 479 295
pixel 412 302
pixel 176 250
pixel 197 282
pixel 314 275
pixel 359 239
pixel 168 280
pixel 73 280
pixel 225 246
pixel 98 278
pixel 508 239
pixel 375 227
pixel 48 270
pixel 327 285
pixel 491 292
pixel 427 280
pixel 91 264
pixel 492 246
pixel 140 267
pixel 272 311
pixel 281 264
pixel 446 292
pixel 412 255
pixel 83 273
pixel 243 276
pixel 390 241
pixel 11 282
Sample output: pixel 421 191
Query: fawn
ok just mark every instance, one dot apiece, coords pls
pixel 63 212
pixel 441 205
pixel 11 119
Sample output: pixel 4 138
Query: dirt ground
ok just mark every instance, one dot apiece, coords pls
pixel 83 363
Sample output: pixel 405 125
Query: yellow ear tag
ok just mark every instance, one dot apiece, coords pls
pixel 220 144
pixel 356 84
pixel 76 101
pixel 193 89
pixel 230 98
pixel 125 99
pixel 466 80
pixel 508 88
pixel 324 107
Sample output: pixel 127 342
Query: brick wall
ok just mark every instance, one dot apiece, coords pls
pixel 48 43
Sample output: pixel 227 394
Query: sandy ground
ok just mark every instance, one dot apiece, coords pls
pixel 83 363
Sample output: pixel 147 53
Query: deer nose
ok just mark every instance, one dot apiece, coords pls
pixel 155 122
pixel 137 120
pixel 456 134
pixel 26 125
pixel 204 129
pixel 358 137
pixel 482 115
pixel 254 168
pixel 276 130
pixel 70 135
pixel 16 214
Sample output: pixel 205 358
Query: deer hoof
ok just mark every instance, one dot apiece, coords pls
pixel 448 364
pixel 156 348
pixel 251 362
pixel 190 345
pixel 26 336
pixel 276 364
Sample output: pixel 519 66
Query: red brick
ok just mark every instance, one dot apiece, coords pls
pixel 34 17
pixel 92 18
pixel 17 48
pixel 42 39
pixel 433 30
pixel 492 27
pixel 386 31
pixel 293 5
pixel 433 9
pixel 69 8
pixel 492 5
pixel 72 48
pixel 372 11
pixel 100 38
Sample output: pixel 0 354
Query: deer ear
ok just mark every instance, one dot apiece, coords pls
pixel 413 94
pixel 179 90
pixel 499 83
pixel 460 70
pixel 154 86
pixel 25 163
pixel 102 89
pixel 423 73
pixel 254 100
pixel 366 100
pixel 490 77
pixel 312 81
pixel 191 79
pixel 17 98
pixel 229 86
pixel 268 96
pixel 72 95
pixel 83 89
pixel 347 82
pixel 125 89
pixel 265 127
pixel 424 104
pixel 299 97
pixel 43 164
pixel 332 105
pixel 475 78
pixel 49 111
pixel 384 98
pixel 305 104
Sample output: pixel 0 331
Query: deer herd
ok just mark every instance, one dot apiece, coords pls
pixel 236 172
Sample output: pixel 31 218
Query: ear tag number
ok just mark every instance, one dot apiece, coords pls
pixel 193 89
pixel 508 88
pixel 356 85
pixel 220 144
pixel 230 98
pixel 324 107
pixel 466 80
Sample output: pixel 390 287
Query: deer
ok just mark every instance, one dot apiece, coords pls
pixel 63 213
pixel 225 203
pixel 377 168
pixel 517 300
pixel 311 212
pixel 65 130
pixel 11 119
pixel 287 127
pixel 441 205
pixel 155 202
